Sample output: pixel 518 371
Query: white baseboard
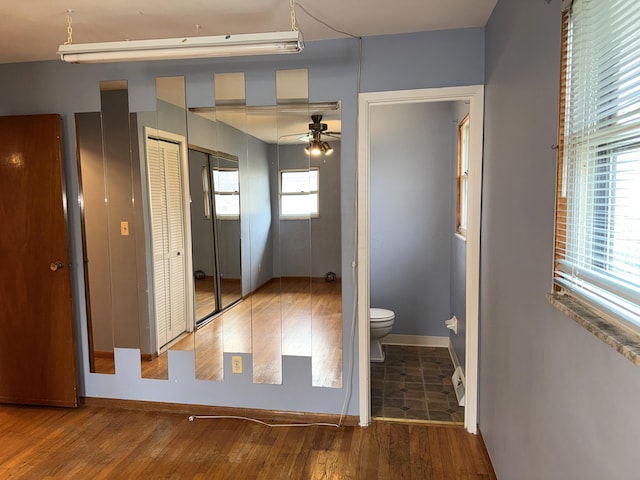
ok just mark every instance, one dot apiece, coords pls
pixel 454 356
pixel 416 340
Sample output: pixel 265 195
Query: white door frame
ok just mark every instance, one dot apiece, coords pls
pixel 157 134
pixel 366 101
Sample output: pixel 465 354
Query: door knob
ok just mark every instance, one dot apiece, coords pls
pixel 55 266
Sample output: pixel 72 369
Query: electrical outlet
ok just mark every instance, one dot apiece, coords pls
pixel 236 364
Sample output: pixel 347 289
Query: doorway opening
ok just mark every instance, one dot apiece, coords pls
pixel 367 102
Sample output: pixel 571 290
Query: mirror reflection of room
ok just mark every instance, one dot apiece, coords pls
pixel 233 230
pixel 112 220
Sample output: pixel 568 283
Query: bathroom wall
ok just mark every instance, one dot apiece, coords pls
pixel 458 252
pixel 412 165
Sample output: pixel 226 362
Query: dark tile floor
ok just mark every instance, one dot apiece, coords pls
pixel 414 383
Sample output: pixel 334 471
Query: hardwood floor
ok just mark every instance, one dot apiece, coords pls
pixel 205 298
pixel 289 316
pixel 105 442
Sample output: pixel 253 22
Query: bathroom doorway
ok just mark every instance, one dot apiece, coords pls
pixel 371 239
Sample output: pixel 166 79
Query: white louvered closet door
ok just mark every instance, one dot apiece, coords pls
pixel 168 240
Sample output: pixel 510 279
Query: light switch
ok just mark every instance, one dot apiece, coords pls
pixel 124 229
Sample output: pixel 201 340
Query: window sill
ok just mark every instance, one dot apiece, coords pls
pixel 623 340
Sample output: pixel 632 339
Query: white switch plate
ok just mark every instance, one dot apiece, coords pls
pixel 124 229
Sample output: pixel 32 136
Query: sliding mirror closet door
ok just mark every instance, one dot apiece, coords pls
pixel 202 242
pixel 226 192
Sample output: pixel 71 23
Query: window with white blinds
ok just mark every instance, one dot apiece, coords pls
pixel 598 204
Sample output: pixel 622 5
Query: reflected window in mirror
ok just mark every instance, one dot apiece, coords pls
pixel 299 193
pixel 226 182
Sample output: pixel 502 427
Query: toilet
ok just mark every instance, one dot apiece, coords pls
pixel 380 325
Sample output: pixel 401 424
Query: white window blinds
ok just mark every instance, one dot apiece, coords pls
pixel 598 212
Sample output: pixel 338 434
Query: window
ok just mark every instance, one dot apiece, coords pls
pixel 226 189
pixel 598 201
pixel 206 193
pixel 463 178
pixel 299 190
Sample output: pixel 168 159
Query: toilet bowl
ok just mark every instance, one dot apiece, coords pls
pixel 380 325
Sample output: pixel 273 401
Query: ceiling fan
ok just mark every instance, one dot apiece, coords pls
pixel 317 145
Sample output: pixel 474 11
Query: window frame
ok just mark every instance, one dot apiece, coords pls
pixel 592 310
pixel 215 192
pixel 462 178
pixel 281 194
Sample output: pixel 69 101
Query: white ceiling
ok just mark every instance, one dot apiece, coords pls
pixel 31 30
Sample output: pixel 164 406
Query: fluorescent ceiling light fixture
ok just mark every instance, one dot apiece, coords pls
pixel 280 107
pixel 183 48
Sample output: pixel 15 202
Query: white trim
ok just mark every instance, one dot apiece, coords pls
pixel 453 355
pixel 415 340
pixel 475 95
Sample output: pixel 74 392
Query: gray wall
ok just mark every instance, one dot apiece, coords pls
pixel 92 166
pixel 310 247
pixel 109 172
pixel 256 212
pixel 555 402
pixel 458 253
pixel 412 164
pixel 389 63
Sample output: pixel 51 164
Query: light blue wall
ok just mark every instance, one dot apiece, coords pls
pixel 412 166
pixel 555 402
pixel 407 61
pixel 442 58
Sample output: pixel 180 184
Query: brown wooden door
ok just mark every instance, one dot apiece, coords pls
pixel 37 346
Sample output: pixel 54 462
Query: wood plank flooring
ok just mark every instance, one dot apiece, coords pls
pixel 105 442
pixel 288 316
pixel 205 298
